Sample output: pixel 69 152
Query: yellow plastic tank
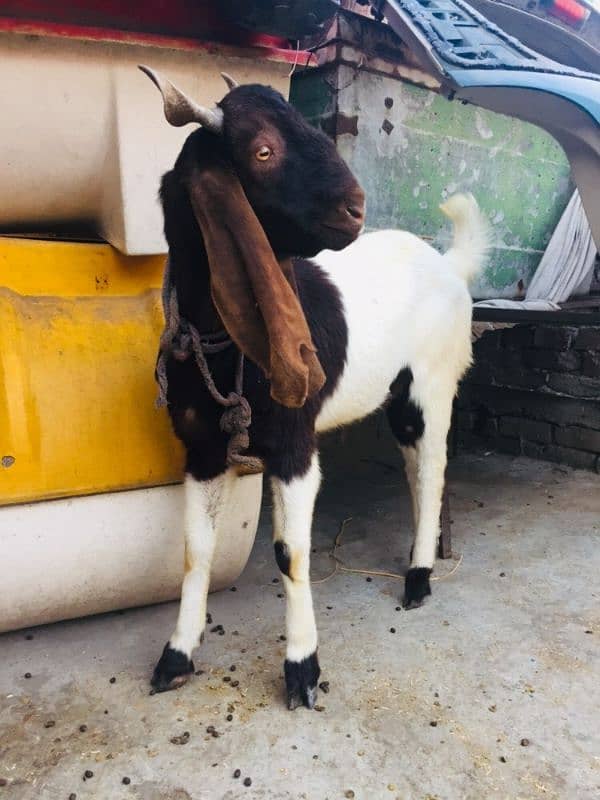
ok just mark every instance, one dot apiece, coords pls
pixel 80 325
pixel 90 513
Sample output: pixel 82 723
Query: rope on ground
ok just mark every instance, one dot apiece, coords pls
pixel 341 567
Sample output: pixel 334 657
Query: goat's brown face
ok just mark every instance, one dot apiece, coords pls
pixel 301 190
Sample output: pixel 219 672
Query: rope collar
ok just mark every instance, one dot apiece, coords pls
pixel 181 340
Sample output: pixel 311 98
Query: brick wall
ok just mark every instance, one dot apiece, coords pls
pixel 534 391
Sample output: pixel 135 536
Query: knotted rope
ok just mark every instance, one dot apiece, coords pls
pixel 181 340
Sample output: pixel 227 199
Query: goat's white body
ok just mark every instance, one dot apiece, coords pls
pixel 405 307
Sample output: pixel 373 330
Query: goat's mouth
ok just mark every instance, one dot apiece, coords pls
pixel 340 236
pixel 344 223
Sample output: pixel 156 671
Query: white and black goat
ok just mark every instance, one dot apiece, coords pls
pixel 391 321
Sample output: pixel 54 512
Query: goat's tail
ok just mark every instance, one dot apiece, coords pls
pixel 472 235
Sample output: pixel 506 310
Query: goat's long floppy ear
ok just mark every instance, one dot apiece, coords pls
pixel 179 109
pixel 251 292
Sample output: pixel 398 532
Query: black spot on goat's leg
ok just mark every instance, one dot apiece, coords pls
pixel 301 679
pixel 416 587
pixel 282 556
pixel 172 671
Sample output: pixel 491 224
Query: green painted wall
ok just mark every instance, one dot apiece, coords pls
pixel 410 157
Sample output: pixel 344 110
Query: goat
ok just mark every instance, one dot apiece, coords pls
pixel 389 316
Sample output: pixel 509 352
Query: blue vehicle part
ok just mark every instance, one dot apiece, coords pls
pixel 476 61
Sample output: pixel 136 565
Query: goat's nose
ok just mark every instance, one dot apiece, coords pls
pixel 354 205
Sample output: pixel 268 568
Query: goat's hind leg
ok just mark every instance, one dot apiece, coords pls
pixel 411 468
pixel 421 433
pixel 201 502
pixel 431 467
pixel 293 504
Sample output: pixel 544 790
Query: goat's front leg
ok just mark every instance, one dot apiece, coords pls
pixel 427 500
pixel 201 503
pixel 293 504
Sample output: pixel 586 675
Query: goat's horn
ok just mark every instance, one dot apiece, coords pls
pixel 179 109
pixel 233 84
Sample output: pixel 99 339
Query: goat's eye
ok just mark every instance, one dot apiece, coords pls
pixel 263 153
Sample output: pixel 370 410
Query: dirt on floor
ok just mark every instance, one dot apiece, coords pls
pixel 490 690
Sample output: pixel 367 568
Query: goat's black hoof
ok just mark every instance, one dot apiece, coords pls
pixel 172 671
pixel 301 678
pixel 416 587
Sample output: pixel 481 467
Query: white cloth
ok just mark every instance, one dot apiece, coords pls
pixel 566 268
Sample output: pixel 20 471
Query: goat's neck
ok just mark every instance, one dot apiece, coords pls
pixel 191 278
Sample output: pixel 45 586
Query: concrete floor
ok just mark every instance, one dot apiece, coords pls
pixel 506 650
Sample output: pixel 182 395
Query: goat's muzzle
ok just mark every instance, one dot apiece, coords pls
pixel 347 220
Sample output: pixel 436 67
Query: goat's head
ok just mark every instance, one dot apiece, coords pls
pixel 300 189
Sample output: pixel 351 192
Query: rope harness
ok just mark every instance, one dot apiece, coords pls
pixel 181 340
